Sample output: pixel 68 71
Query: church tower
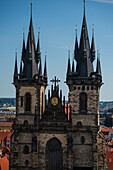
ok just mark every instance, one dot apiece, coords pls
pixel 30 84
pixel 54 134
pixel 84 85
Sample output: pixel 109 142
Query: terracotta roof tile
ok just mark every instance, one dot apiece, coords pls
pixel 4 163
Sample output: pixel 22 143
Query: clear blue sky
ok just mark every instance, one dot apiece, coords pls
pixel 57 20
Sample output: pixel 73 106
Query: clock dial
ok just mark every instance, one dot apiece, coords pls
pixel 54 101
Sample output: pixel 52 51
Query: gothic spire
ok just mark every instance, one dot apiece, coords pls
pixel 69 65
pixel 84 33
pixel 31 39
pixel 40 68
pixel 73 67
pixel 23 47
pixel 16 68
pixel 98 69
pixel 30 64
pixel 92 47
pixel 38 49
pixel 84 66
pixel 21 71
pixel 45 68
pixel 76 47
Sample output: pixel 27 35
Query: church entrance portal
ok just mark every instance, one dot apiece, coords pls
pixel 54 154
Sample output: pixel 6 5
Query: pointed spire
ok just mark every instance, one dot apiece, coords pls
pixel 29 44
pixel 31 39
pixel 84 44
pixel 16 68
pixel 92 47
pixel 76 47
pixel 84 7
pixel 21 71
pixel 31 9
pixel 69 65
pixel 84 33
pixel 23 48
pixel 98 69
pixel 38 48
pixel 45 68
pixel 40 68
pixel 73 66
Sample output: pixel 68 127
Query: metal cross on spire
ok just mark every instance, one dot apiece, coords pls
pixel 55 81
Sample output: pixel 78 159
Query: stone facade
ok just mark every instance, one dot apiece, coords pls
pixel 46 135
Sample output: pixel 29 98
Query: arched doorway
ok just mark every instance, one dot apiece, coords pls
pixel 54 154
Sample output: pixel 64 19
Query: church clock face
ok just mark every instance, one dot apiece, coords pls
pixel 54 101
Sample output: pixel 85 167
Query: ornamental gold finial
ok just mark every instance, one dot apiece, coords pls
pixel 76 28
pixel 84 0
pixel 93 27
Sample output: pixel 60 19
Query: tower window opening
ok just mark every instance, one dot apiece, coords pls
pixel 28 102
pixel 92 88
pixel 83 102
pixel 26 149
pixel 79 124
pixel 78 88
pixel 25 122
pixel 82 139
pixel 83 87
pixel 26 162
pixel 21 101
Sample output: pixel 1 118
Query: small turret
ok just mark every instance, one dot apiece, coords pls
pixel 76 47
pixel 45 71
pixel 98 69
pixel 45 68
pixel 23 47
pixel 21 71
pixel 38 53
pixel 40 68
pixel 92 47
pixel 69 65
pixel 73 66
pixel 15 77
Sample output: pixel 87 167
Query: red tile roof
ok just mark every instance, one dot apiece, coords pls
pixel 4 124
pixel 4 163
pixel 4 134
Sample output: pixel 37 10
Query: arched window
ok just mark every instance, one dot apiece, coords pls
pixel 25 122
pixel 26 149
pixel 28 102
pixel 83 102
pixel 26 162
pixel 82 139
pixel 79 124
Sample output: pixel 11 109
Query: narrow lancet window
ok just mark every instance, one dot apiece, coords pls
pixel 26 149
pixel 83 102
pixel 28 102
